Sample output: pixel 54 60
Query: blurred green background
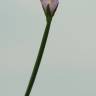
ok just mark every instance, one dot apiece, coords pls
pixel 68 67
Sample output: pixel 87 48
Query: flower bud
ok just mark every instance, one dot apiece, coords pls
pixel 49 5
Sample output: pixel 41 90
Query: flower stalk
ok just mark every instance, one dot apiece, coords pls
pixel 38 60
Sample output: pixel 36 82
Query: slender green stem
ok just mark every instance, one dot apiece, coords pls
pixel 39 57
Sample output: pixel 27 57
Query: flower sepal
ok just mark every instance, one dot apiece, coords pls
pixel 48 13
pixel 49 7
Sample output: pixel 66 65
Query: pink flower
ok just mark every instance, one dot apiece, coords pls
pixel 52 4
